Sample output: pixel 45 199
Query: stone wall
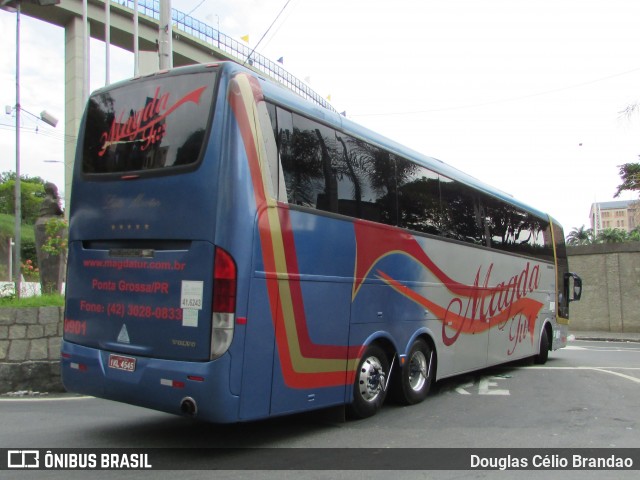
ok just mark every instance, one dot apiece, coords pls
pixel 30 349
pixel 611 287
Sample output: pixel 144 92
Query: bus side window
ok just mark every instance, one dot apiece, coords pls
pixel 419 204
pixel 284 139
pixel 514 230
pixel 462 212
pixel 271 108
pixel 268 122
pixel 307 150
pixel 366 181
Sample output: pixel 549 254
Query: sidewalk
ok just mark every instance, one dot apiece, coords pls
pixel 604 336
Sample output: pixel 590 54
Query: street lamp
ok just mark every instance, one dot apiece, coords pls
pixel 14 6
pixel 45 116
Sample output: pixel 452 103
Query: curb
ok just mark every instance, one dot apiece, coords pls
pixel 595 338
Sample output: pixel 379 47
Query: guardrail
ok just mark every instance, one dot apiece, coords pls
pixel 211 36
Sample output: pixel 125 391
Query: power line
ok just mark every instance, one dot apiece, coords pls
pixel 267 31
pixel 494 102
pixel 195 8
pixel 39 131
pixel 273 35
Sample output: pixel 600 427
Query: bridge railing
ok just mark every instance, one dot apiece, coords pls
pixel 211 36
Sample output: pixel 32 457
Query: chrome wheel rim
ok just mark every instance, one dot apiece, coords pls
pixel 417 371
pixel 371 379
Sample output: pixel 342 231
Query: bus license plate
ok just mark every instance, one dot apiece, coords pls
pixel 119 362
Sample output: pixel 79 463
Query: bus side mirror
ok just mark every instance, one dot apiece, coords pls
pixel 573 286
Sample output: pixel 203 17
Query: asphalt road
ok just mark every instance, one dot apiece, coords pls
pixel 586 396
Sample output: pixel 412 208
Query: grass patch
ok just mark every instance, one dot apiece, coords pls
pixel 7 226
pixel 53 300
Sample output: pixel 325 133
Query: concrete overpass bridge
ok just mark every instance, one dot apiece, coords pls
pixel 193 42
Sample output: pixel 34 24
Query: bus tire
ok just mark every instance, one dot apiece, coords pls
pixel 543 355
pixel 370 383
pixel 416 375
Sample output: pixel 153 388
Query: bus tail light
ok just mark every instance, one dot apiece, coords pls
pixel 224 302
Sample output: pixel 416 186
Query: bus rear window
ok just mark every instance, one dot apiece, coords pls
pixel 150 125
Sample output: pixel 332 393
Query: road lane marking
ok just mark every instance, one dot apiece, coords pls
pixel 462 388
pixel 633 379
pixel 596 348
pixel 597 369
pixel 485 386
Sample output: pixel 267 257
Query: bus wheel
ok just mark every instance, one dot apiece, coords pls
pixel 370 385
pixel 541 357
pixel 416 375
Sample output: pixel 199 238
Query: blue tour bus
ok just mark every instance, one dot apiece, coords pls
pixel 237 252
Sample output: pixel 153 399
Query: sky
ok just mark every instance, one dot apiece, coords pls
pixel 524 95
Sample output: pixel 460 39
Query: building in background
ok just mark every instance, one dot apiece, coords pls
pixel 621 214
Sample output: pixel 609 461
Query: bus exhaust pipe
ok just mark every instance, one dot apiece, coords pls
pixel 189 407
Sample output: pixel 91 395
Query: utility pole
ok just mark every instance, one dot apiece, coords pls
pixel 165 43
pixel 18 194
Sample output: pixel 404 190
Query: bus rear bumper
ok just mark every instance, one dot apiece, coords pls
pixel 197 389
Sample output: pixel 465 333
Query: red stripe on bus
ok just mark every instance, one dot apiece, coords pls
pixel 291 376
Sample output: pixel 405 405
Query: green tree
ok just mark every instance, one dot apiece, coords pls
pixel 630 175
pixel 580 236
pixel 31 194
pixel 611 235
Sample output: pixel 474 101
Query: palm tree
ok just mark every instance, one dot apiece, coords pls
pixel 612 235
pixel 580 236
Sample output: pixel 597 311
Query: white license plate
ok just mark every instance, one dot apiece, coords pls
pixel 120 362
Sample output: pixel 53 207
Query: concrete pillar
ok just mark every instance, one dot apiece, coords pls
pixel 74 82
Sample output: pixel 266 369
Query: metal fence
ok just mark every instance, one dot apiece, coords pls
pixel 211 36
